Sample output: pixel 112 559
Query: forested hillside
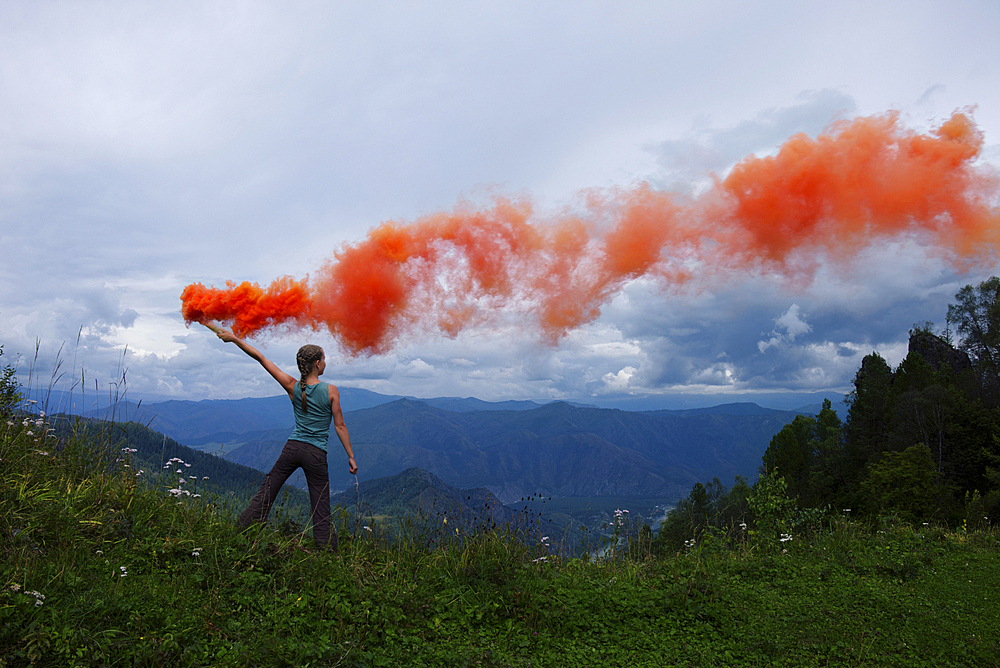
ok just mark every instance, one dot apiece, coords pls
pixel 921 442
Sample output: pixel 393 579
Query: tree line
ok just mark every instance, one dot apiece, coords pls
pixel 920 443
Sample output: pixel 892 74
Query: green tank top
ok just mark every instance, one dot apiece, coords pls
pixel 313 425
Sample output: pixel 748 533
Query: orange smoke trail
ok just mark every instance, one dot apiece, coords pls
pixel 859 182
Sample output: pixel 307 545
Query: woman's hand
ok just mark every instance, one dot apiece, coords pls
pixel 351 466
pixel 225 335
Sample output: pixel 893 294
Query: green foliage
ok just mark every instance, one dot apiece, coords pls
pixel 772 508
pixel 976 318
pixel 869 414
pixel 809 454
pixel 906 484
pixel 710 509
pixel 10 397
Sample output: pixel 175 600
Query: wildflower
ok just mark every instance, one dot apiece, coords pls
pixel 197 552
pixel 689 543
pixel 367 528
pixel 847 510
pixel 743 526
pixel 196 496
pixel 539 559
pixel 42 452
pixel 180 471
pixel 15 587
pixel 99 552
pixel 123 571
pixel 785 537
pixel 181 481
pixel 204 477
pixel 10 423
pixel 30 433
pixel 38 597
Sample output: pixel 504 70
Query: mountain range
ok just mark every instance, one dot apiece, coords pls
pixel 514 449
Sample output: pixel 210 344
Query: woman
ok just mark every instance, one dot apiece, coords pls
pixel 316 404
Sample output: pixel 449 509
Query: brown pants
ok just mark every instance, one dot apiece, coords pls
pixel 313 463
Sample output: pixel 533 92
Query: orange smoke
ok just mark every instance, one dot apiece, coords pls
pixel 860 181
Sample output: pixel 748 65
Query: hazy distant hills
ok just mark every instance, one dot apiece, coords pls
pixel 514 449
pixel 556 449
pixel 186 420
pixel 199 419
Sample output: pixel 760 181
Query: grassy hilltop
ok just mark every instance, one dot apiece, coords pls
pixel 100 566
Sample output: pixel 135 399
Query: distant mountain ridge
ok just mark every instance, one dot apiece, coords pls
pixel 556 449
pixel 514 448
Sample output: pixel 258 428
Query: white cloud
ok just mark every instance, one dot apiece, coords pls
pixel 792 322
pixel 619 381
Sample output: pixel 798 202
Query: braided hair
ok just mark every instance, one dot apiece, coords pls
pixel 307 356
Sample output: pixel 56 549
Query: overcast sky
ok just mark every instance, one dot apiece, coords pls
pixel 147 146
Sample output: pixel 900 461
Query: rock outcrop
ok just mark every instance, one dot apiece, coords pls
pixel 938 352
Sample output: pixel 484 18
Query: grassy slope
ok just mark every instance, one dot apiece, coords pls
pixel 132 576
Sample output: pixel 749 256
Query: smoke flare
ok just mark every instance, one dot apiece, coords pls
pixel 859 182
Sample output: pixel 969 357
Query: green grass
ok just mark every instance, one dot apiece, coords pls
pixel 132 576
